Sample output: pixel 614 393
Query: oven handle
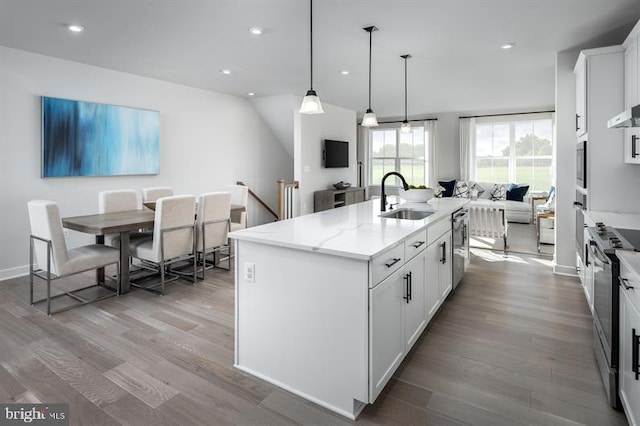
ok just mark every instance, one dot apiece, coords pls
pixel 598 254
pixel 624 283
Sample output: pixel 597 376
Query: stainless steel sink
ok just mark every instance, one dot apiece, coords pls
pixel 407 214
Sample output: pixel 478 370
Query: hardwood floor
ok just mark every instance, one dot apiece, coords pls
pixel 511 346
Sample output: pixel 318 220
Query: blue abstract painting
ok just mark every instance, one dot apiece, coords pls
pixel 90 139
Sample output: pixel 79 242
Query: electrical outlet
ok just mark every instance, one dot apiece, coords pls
pixel 250 272
pixel 65 232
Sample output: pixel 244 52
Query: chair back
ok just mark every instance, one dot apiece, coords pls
pixel 44 217
pixel 152 194
pixel 118 201
pixel 171 212
pixel 212 221
pixel 239 196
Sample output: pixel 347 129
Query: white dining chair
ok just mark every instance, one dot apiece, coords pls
pixel 120 200
pixel 48 251
pixel 152 194
pixel 173 239
pixel 212 228
pixel 239 196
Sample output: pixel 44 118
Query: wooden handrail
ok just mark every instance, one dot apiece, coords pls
pixel 259 200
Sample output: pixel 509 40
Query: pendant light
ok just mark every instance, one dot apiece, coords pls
pixel 406 127
pixel 369 119
pixel 311 102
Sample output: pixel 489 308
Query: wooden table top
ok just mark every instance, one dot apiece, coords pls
pixel 110 223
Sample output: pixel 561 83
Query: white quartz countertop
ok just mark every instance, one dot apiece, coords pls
pixel 614 219
pixel 355 231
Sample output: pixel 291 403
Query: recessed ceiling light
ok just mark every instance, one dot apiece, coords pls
pixel 507 46
pixel 251 94
pixel 75 28
pixel 256 30
pixel 344 72
pixel 225 72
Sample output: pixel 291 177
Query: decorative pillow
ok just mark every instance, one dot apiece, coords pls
pixel 461 190
pixel 477 188
pixel 449 186
pixel 498 192
pixel 516 192
pixel 487 187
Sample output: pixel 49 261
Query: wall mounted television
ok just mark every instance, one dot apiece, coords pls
pixel 335 154
pixel 91 139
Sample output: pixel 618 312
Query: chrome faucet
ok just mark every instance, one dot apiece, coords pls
pixel 383 198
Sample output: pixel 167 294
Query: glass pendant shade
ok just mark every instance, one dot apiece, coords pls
pixel 311 103
pixel 369 119
pixel 406 127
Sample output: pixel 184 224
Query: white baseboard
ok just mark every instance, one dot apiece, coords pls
pixel 7 274
pixel 569 271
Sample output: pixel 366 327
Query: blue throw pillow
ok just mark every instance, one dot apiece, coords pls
pixel 449 186
pixel 516 192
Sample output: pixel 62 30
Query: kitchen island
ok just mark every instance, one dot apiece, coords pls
pixel 329 304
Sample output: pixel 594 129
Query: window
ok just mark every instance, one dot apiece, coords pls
pixel 515 152
pixel 405 153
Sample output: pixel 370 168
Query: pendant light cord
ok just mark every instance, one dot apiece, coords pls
pixel 311 40
pixel 405 57
pixel 370 38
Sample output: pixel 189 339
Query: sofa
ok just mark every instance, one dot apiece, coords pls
pixel 515 211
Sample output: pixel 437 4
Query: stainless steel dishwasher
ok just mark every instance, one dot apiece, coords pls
pixel 460 221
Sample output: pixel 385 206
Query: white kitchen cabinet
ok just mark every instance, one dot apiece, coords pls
pixel 603 93
pixel 439 271
pixel 387 344
pixel 629 376
pixel 580 71
pixel 632 93
pixel 415 313
pixel 587 272
pixel 445 274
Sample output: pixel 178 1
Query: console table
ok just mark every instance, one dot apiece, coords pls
pixel 332 198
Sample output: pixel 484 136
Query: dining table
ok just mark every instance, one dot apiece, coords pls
pixel 122 223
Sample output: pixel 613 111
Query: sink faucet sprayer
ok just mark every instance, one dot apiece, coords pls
pixel 383 198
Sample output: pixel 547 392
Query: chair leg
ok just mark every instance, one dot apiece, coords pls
pixel 162 277
pixel 195 277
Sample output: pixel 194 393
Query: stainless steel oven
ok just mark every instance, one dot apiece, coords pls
pixel 603 244
pixel 581 164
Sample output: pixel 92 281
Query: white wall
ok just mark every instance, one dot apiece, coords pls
pixel 278 112
pixel 208 140
pixel 309 131
pixel 565 252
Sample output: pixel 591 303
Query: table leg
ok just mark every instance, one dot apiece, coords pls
pixel 100 271
pixel 124 262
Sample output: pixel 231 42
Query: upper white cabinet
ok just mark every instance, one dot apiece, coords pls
pixel 632 93
pixel 600 96
pixel 581 96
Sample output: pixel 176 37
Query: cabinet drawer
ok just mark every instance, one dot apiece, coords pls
pixel 386 263
pixel 631 279
pixel 415 244
pixel 438 229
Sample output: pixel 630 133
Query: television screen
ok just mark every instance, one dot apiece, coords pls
pixel 89 139
pixel 336 153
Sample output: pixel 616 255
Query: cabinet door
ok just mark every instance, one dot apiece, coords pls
pixel 432 289
pixel 446 265
pixel 629 383
pixel 386 336
pixel 632 145
pixel 581 96
pixel 415 316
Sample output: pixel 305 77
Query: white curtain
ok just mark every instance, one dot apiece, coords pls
pixel 467 149
pixel 431 133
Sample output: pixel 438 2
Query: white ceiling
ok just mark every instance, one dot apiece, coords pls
pixel 457 64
